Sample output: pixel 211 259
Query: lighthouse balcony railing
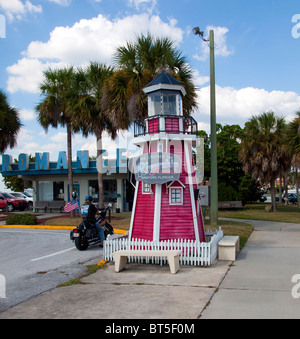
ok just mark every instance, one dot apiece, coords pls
pixel 165 123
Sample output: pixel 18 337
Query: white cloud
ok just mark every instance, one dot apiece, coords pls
pixel 123 140
pixel 236 106
pixel 203 126
pixel 144 5
pixel 63 3
pixel 59 137
pixel 198 79
pixel 25 144
pixel 221 47
pixel 85 41
pixel 26 74
pixel 17 9
pixel 27 114
pixel 97 38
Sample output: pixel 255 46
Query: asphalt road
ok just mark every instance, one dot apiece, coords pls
pixel 35 261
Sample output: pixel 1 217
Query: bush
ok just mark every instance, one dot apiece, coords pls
pixel 249 189
pixel 21 219
pixel 227 193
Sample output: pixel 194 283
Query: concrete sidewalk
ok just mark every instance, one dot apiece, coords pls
pixel 258 285
pixel 139 292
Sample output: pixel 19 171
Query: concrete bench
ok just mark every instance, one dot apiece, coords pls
pixel 230 205
pixel 41 205
pixel 228 247
pixel 121 257
pixel 56 204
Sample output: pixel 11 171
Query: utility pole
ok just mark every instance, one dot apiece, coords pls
pixel 213 134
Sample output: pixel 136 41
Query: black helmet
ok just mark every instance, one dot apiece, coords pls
pixel 74 195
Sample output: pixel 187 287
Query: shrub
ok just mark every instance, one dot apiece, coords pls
pixel 227 193
pixel 21 219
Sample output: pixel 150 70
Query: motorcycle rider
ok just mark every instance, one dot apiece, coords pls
pixel 91 217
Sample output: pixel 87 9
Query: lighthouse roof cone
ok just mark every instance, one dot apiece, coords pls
pixel 164 81
pixel 166 203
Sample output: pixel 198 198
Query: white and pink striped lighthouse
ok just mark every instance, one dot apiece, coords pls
pixel 166 203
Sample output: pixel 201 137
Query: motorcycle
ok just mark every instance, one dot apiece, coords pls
pixel 86 234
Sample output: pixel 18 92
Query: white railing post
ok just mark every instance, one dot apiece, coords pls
pixel 192 252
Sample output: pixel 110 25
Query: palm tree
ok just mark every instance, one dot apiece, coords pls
pixel 60 92
pixel 260 149
pixel 138 63
pixel 293 141
pixel 89 115
pixel 284 161
pixel 10 124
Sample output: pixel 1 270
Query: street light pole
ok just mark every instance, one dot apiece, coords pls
pixel 213 136
pixel 213 133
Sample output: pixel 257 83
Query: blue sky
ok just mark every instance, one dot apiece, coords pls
pixel 257 54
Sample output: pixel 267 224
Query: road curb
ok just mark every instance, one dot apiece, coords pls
pixel 45 227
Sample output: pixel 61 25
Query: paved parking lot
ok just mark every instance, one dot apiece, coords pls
pixel 34 261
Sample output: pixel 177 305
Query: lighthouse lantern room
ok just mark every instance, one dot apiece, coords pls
pixel 166 203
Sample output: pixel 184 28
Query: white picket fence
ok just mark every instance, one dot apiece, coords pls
pixel 193 253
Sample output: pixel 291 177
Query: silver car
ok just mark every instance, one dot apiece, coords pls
pixel 20 195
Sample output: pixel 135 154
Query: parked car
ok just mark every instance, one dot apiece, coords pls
pixel 262 198
pixel 27 197
pixel 28 191
pixel 28 194
pixel 291 196
pixel 2 202
pixel 12 202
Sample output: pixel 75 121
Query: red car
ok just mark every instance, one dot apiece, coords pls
pixel 13 203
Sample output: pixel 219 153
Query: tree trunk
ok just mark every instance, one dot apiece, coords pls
pixel 280 188
pixel 285 183
pixel 273 196
pixel 100 170
pixel 70 170
pixel 297 187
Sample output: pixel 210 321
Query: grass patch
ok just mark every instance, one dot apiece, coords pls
pixel 289 214
pixel 241 229
pixel 76 281
pixel 91 269
pixel 120 221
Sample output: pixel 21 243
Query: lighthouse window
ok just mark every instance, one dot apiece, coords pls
pixel 163 103
pixel 146 188
pixel 176 196
pixel 169 107
pixel 155 104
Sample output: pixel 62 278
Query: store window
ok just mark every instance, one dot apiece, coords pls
pixel 49 190
pixel 58 191
pixel 45 191
pixel 109 188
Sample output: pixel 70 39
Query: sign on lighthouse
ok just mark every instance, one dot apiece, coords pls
pixel 166 203
pixel 158 168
